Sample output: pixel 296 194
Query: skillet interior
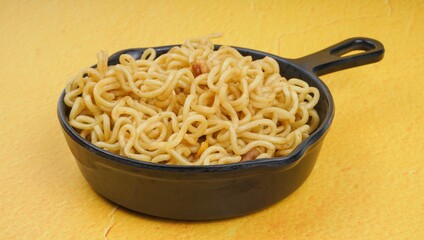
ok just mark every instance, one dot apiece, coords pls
pixel 288 69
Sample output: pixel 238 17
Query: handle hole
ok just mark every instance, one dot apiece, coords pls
pixel 353 52
pixel 352 48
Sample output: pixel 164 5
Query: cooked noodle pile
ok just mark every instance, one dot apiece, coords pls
pixel 191 106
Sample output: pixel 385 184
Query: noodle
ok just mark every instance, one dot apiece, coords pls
pixel 191 106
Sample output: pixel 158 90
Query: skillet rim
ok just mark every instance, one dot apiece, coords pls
pixel 285 162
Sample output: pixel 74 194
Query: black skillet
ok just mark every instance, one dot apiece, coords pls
pixel 219 191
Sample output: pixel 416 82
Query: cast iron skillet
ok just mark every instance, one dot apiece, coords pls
pixel 219 191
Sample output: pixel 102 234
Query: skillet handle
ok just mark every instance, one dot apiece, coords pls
pixel 331 59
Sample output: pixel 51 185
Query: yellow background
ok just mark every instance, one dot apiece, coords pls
pixel 369 179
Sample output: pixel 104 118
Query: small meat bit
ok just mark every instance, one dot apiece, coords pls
pixel 202 148
pixel 250 155
pixel 199 67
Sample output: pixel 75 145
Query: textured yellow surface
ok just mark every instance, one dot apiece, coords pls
pixel 369 179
